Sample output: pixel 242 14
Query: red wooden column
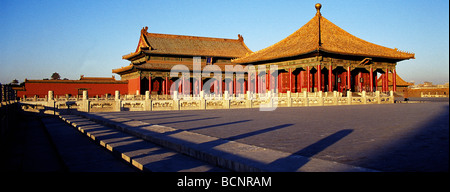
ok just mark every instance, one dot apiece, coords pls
pixel 200 85
pixel 216 86
pixel 278 85
pixel 183 85
pixel 319 78
pixel 188 87
pixel 249 82
pixel 359 82
pixel 166 85
pixel 375 77
pixel 330 79
pixel 183 88
pixel 290 80
pixel 268 80
pixel 234 84
pixel 371 79
pixel 256 81
pixel 221 82
pixel 308 79
pixel 260 81
pixel 394 79
pixel 180 84
pixel 348 78
pixel 194 85
pixel 387 81
pixel 386 78
pixel 150 83
pixel 244 87
pixel 300 75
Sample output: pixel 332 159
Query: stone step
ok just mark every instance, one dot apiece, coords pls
pixel 223 153
pixel 142 154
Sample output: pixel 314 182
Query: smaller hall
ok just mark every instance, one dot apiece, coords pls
pixel 156 54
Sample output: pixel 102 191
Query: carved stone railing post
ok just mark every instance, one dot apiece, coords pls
pixel 377 95
pixel 305 96
pixel 147 102
pixel 349 97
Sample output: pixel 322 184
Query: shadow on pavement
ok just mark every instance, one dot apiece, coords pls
pixel 425 150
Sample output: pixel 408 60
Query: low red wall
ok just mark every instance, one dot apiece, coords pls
pixel 61 89
pixel 438 91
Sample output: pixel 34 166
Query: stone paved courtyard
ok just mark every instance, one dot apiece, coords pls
pixel 388 137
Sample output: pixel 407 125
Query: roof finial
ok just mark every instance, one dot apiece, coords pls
pixel 144 29
pixel 318 6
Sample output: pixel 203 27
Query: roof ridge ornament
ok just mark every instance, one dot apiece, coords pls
pixel 318 6
pixel 144 30
pixel 240 38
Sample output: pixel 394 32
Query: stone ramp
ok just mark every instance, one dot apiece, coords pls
pixel 140 153
pixel 78 153
pixel 231 155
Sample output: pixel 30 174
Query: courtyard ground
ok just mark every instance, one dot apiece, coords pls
pixel 387 137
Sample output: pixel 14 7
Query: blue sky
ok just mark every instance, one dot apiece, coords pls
pixel 89 37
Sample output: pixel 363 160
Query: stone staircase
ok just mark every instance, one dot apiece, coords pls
pixel 139 153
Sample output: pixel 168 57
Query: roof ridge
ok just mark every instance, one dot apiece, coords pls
pixel 241 39
pixel 169 44
pixel 353 36
pixel 283 40
pixel 189 37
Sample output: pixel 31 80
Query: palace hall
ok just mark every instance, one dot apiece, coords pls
pixel 156 54
pixel 319 56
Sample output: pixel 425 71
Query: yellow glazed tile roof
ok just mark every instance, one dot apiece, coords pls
pixel 319 34
pixel 165 44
